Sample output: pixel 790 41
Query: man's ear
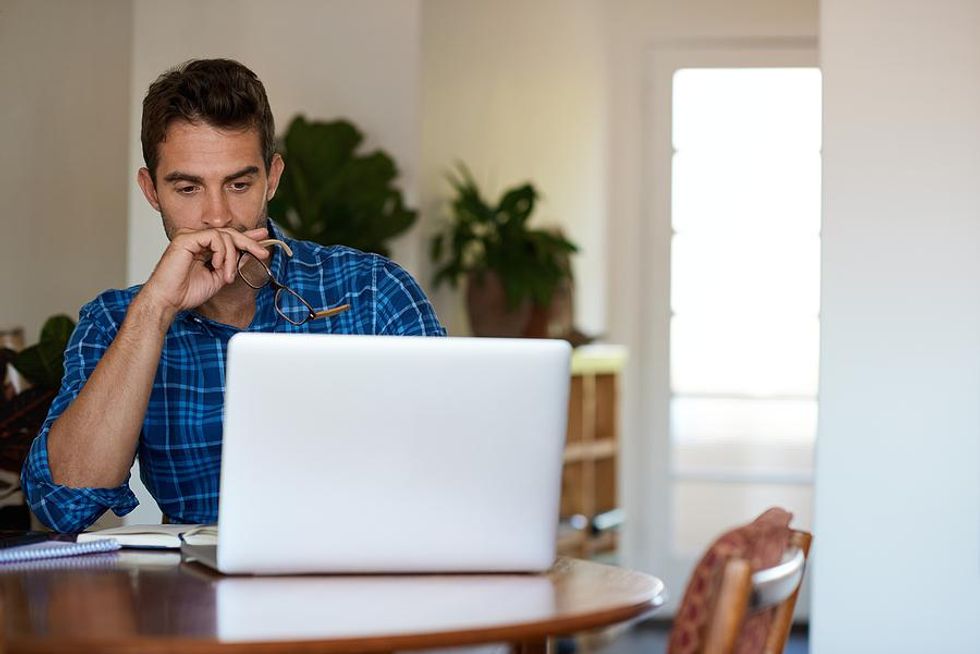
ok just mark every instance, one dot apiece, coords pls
pixel 148 187
pixel 275 174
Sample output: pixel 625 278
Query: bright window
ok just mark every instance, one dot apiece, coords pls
pixel 745 295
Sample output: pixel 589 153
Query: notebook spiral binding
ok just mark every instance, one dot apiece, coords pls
pixel 55 549
pixel 101 561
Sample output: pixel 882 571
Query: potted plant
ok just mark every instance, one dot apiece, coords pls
pixel 23 410
pixel 510 269
pixel 329 194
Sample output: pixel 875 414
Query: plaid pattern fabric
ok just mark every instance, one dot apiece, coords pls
pixel 180 444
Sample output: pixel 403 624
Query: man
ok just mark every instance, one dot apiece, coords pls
pixel 144 370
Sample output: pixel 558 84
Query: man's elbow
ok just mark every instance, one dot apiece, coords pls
pixel 59 507
pixel 60 514
pixel 68 469
pixel 66 523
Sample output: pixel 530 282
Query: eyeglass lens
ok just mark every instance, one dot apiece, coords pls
pixel 289 304
pixel 253 271
pixel 292 307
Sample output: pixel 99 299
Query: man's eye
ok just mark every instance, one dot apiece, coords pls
pixel 186 190
pixel 239 186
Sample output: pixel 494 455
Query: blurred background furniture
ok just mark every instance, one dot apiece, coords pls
pixel 29 381
pixel 744 592
pixel 590 512
pixel 740 597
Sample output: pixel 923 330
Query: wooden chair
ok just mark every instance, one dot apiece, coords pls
pixel 743 593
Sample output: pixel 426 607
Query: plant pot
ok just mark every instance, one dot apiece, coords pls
pixel 553 320
pixel 486 305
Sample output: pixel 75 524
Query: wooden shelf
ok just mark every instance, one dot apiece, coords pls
pixel 582 544
pixel 591 460
pixel 600 449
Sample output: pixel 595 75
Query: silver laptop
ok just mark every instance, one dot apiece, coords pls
pixel 371 454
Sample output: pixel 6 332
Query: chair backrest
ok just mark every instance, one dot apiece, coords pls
pixel 743 592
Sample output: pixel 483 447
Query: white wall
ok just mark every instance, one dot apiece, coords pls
pixel 326 59
pixel 515 90
pixel 64 71
pixel 898 455
pixel 633 29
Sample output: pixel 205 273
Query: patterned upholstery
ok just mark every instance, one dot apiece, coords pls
pixel 761 543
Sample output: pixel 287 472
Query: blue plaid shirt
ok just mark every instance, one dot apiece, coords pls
pixel 180 444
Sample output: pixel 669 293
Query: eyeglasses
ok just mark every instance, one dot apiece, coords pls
pixel 293 308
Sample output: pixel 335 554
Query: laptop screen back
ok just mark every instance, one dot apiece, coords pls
pixel 391 454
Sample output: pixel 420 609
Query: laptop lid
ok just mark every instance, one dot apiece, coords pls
pixel 391 454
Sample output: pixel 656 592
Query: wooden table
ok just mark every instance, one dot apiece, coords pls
pixel 153 602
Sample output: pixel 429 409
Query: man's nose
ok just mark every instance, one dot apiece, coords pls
pixel 218 211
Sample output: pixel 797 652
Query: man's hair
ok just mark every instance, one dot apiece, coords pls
pixel 219 92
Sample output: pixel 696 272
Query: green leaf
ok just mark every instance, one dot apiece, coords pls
pixel 41 364
pixel 57 330
pixel 435 247
pixel 518 203
pixel 531 264
pixel 332 195
pixel 321 147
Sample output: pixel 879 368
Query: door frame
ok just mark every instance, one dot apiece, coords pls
pixel 646 486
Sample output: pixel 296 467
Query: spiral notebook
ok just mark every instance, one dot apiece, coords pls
pixel 53 549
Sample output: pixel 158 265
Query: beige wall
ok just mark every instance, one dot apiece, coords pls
pixel 516 91
pixel 898 453
pixel 64 71
pixel 341 58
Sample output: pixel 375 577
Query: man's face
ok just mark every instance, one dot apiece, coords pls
pixel 209 177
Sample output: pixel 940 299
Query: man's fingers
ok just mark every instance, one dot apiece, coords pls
pixel 231 260
pixel 220 248
pixel 247 244
pixel 219 252
pixel 199 242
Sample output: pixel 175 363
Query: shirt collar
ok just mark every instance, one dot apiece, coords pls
pixel 277 263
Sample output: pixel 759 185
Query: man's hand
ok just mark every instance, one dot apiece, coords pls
pixel 198 264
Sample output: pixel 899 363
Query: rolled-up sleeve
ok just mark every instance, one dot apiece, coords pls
pixel 401 308
pixel 65 508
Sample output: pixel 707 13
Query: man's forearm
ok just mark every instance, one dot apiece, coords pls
pixel 93 442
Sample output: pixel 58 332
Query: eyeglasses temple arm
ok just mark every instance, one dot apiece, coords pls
pixel 274 241
pixel 326 313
